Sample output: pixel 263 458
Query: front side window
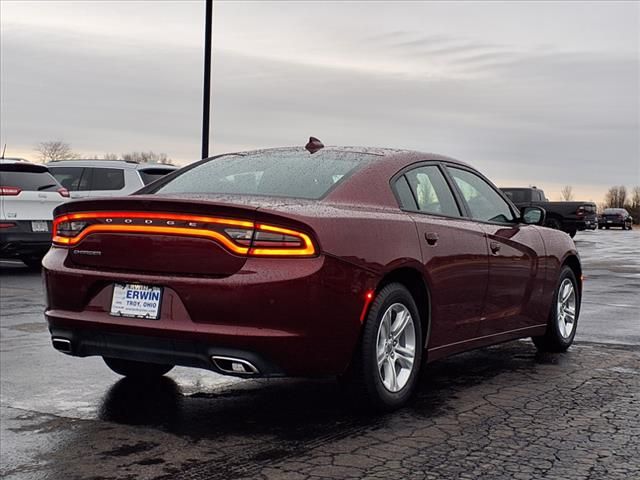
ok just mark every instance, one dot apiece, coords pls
pixel 280 173
pixel 432 192
pixel 484 202
pixel 106 179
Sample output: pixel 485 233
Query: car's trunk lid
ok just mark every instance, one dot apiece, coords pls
pixel 177 234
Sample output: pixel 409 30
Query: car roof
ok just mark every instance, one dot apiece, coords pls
pixel 125 164
pixel 383 154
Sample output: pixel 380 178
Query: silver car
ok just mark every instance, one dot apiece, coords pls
pixel 106 178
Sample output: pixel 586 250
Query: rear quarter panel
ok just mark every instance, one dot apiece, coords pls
pixel 375 239
pixel 558 248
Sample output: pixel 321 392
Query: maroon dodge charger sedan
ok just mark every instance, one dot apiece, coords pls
pixel 356 262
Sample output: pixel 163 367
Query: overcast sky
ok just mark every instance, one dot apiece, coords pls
pixel 540 93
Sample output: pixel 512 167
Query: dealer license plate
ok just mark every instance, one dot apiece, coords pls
pixel 39 226
pixel 134 300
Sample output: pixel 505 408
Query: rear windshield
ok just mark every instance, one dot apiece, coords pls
pixel 149 175
pixel 39 180
pixel 518 196
pixel 281 173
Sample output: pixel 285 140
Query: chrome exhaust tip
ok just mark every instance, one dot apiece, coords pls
pixel 61 344
pixel 235 366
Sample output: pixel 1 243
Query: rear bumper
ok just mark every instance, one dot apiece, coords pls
pixel 21 241
pixel 293 317
pixel 614 223
pixel 168 351
pixel 579 224
pixel 589 223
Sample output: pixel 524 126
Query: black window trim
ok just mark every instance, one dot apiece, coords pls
pixel 462 208
pixel 514 210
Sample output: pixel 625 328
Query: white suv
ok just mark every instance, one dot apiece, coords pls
pixel 28 195
pixel 106 178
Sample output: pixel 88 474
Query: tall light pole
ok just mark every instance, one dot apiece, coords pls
pixel 206 91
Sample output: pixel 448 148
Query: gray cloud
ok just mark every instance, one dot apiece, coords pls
pixel 523 115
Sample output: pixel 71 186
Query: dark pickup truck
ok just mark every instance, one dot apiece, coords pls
pixel 566 216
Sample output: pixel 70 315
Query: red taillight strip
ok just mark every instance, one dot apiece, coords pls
pixel 164 216
pixel 10 191
pixel 306 250
pixel 168 230
pixel 189 232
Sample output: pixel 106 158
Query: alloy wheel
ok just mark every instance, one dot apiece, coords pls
pixel 396 347
pixel 566 308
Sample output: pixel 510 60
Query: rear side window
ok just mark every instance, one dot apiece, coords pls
pixel 28 179
pixel 432 192
pixel 149 175
pixel 404 194
pixel 520 196
pixel 70 177
pixel 288 173
pixel 106 178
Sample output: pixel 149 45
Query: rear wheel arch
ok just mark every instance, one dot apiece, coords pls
pixel 415 282
pixel 574 264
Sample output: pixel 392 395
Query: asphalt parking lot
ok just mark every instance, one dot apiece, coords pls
pixel 499 412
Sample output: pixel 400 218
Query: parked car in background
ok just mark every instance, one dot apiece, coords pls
pixel 356 262
pixel 106 178
pixel 616 217
pixel 570 217
pixel 28 195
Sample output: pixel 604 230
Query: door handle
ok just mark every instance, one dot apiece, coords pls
pixel 494 246
pixel 431 238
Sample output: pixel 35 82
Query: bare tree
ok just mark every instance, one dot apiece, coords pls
pixel 635 197
pixel 146 157
pixel 634 204
pixel 55 150
pixel 567 193
pixel 616 197
pixel 111 156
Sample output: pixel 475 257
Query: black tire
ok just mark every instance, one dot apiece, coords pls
pixel 553 340
pixel 572 233
pixel 133 369
pixel 363 379
pixel 607 227
pixel 553 223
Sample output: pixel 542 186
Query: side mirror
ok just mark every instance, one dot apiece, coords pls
pixel 533 215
